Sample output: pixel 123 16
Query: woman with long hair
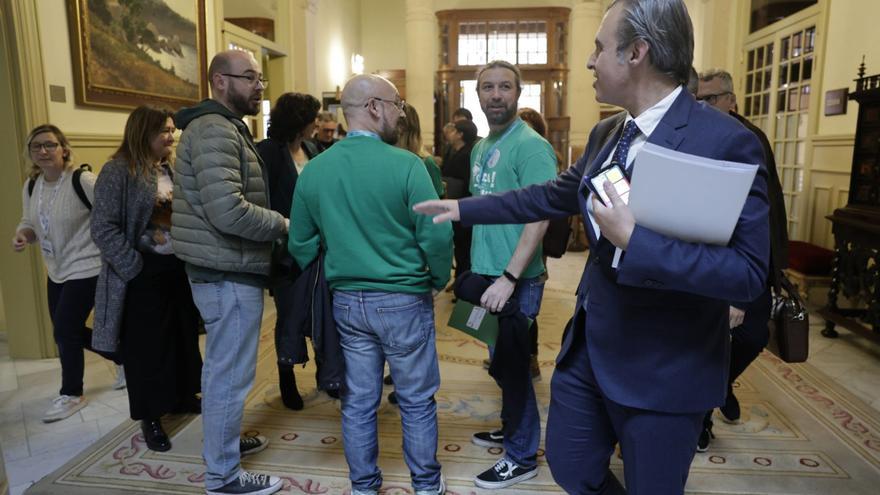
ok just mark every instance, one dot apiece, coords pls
pixel 143 304
pixel 55 217
pixel 285 153
pixel 410 138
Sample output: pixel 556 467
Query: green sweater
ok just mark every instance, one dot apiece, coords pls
pixel 356 199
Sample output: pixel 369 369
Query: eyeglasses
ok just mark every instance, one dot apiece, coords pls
pixel 400 104
pixel 48 146
pixel 711 99
pixel 250 78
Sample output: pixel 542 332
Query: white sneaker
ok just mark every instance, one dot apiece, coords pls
pixel 441 490
pixel 119 384
pixel 64 406
pixel 250 484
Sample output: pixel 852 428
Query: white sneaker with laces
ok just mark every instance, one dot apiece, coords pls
pixel 249 484
pixel 503 474
pixel 119 384
pixel 64 406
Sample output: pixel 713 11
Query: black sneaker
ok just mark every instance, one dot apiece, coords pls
pixel 730 411
pixel 392 398
pixel 706 435
pixel 252 445
pixel 249 484
pixel 488 438
pixel 503 474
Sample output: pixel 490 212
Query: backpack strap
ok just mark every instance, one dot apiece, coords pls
pixel 77 184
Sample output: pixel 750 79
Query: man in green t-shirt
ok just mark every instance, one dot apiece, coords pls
pixel 511 157
pixel 383 262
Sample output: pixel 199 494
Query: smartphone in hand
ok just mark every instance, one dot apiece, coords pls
pixel 614 174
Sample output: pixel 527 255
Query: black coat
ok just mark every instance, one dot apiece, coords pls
pixel 778 218
pixel 510 362
pixel 312 316
pixel 282 176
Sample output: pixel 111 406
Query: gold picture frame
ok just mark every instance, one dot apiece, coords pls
pixel 131 52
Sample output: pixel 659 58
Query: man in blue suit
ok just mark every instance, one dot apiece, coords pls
pixel 646 352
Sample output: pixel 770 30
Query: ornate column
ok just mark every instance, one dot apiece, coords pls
pixel 421 63
pixel 582 106
pixel 24 99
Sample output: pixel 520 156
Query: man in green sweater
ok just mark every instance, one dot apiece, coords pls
pixel 383 263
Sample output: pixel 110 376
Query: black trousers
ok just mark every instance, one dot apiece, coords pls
pixel 70 303
pixel 461 240
pixel 159 339
pixel 748 339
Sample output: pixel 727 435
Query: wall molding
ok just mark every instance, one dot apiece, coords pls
pixel 83 140
pixel 834 140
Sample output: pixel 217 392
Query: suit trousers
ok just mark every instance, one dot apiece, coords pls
pixel 583 426
pixel 748 339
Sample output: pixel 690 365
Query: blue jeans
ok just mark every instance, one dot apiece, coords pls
pixel 232 313
pixel 521 446
pixel 375 327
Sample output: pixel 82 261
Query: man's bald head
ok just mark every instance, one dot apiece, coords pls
pixel 229 62
pixel 236 81
pixel 372 103
pixel 362 87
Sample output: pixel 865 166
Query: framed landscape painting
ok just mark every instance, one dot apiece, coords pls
pixel 131 52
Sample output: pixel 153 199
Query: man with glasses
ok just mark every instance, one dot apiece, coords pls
pixel 748 321
pixel 325 131
pixel 223 228
pixel 383 262
pixel 646 352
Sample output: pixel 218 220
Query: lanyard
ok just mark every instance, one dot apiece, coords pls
pixel 44 214
pixel 360 132
pixel 484 159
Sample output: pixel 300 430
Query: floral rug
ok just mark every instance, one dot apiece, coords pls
pixel 801 433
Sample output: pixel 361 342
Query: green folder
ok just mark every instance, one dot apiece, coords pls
pixel 474 321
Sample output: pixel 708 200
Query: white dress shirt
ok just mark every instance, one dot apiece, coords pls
pixel 646 122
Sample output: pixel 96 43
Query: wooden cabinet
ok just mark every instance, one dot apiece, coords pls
pixel 856 227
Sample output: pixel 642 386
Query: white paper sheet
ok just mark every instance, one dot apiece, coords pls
pixel 688 197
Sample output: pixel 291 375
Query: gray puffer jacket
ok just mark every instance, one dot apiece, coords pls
pixel 221 218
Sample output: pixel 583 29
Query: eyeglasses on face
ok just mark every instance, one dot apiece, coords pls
pixel 711 99
pixel 49 146
pixel 250 78
pixel 400 104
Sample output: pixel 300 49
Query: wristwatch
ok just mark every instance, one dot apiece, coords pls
pixel 509 276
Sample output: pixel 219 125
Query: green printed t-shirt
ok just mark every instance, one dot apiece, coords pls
pixel 510 159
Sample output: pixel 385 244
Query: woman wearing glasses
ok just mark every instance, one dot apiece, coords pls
pixel 54 217
pixel 143 305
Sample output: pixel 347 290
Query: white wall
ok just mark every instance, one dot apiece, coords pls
pixel 383 35
pixel 337 34
pixel 852 32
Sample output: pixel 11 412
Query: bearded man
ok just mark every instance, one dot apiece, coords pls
pixel 382 262
pixel 223 228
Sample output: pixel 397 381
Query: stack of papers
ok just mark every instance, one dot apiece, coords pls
pixel 688 197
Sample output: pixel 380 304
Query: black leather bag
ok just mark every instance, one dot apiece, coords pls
pixel 789 325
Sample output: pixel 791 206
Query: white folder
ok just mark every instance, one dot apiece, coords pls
pixel 688 197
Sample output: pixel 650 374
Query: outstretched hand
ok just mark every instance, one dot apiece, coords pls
pixel 616 221
pixel 443 210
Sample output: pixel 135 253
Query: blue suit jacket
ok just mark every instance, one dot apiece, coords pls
pixel 657 335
